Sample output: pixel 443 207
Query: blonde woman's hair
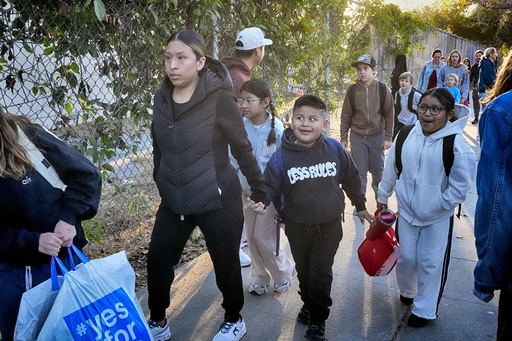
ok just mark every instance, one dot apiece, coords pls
pixel 454 76
pixel 14 160
pixel 449 59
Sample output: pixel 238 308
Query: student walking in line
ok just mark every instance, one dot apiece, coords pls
pixel 473 81
pixel 406 103
pixel 450 84
pixel 264 130
pixel 38 218
pixel 249 52
pixel 368 114
pixel 454 65
pixel 427 198
pixel 308 170
pixel 487 74
pixel 195 118
pixel 493 230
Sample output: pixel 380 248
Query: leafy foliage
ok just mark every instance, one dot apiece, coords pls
pixel 481 21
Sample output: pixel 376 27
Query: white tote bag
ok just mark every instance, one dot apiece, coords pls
pixel 97 302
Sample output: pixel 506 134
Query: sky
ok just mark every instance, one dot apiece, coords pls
pixel 409 5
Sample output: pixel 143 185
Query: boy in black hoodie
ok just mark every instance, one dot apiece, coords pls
pixel 308 170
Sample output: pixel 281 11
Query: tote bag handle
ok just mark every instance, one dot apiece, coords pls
pixel 58 264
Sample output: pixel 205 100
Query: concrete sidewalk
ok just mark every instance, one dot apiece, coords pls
pixel 364 308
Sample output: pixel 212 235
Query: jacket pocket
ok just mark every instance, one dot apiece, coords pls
pixel 426 201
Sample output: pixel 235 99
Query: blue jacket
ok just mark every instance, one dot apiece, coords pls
pixel 487 74
pixel 426 71
pixel 493 225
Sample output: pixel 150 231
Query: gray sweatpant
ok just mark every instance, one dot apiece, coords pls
pixel 368 156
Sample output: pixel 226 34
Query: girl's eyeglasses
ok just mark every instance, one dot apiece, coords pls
pixel 434 110
pixel 242 102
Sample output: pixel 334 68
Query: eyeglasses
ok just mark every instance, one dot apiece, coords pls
pixel 434 110
pixel 241 102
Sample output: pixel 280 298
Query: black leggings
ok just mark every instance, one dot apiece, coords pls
pixel 222 230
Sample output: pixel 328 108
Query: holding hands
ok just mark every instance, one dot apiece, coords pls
pixel 256 207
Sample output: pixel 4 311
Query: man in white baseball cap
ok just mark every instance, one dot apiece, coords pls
pixel 249 52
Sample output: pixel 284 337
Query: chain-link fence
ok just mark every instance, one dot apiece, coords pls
pixel 436 39
pixel 92 83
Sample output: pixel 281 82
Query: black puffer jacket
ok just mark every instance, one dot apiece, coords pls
pixel 190 146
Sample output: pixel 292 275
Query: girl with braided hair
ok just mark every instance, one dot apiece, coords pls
pixel 264 130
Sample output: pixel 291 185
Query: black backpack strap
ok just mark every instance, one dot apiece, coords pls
pixel 382 94
pixel 448 155
pixel 400 139
pixel 410 100
pixel 351 94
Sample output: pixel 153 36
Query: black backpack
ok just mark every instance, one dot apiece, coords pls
pixel 398 104
pixel 448 155
pixel 351 94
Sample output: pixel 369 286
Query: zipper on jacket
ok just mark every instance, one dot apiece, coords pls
pixel 417 174
pixel 368 111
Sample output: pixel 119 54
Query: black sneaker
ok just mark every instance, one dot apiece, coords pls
pixel 406 300
pixel 316 331
pixel 475 121
pixel 416 321
pixel 304 315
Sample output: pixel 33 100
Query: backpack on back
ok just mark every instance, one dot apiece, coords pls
pixel 351 94
pixel 448 155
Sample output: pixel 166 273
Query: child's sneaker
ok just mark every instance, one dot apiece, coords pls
pixel 159 333
pixel 283 287
pixel 245 259
pixel 258 289
pixel 231 331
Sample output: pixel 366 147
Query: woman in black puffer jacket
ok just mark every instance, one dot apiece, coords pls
pixel 195 118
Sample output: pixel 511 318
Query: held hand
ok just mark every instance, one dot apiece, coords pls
pixel 386 145
pixel 66 232
pixel 49 244
pixel 344 144
pixel 258 208
pixel 462 101
pixel 364 215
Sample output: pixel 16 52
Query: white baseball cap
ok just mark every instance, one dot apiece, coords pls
pixel 251 38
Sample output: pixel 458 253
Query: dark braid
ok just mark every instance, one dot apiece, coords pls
pixel 271 139
pixel 259 88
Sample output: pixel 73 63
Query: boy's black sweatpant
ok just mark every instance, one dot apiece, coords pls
pixel 222 230
pixel 313 248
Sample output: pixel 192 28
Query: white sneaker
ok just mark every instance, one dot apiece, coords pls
pixel 280 288
pixel 245 259
pixel 258 289
pixel 159 333
pixel 231 331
